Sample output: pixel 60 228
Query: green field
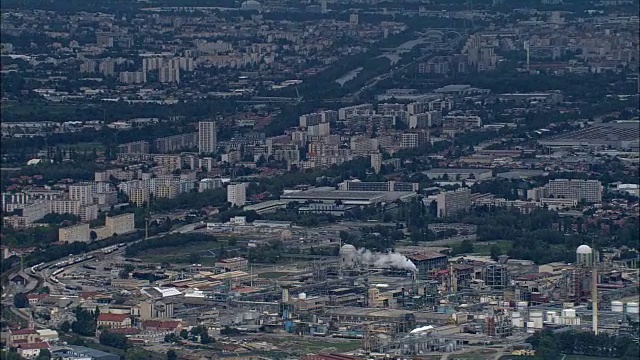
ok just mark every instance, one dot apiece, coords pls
pixel 180 254
pixel 272 275
pixel 484 248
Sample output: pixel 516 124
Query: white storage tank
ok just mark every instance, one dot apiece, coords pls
pixel 516 320
pixel 521 305
pixel 568 313
pixel 537 319
pixel 302 296
pixel 551 316
pixel 530 327
pixel 617 306
pixel 632 308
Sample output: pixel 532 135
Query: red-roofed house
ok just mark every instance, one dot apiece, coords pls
pixel 35 298
pixel 23 336
pixel 162 326
pixel 30 351
pixel 114 321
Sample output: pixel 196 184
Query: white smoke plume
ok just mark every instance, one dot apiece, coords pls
pixel 388 260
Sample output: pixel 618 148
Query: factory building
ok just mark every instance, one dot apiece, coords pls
pixel 428 261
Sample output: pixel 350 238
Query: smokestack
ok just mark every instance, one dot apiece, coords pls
pixel 594 300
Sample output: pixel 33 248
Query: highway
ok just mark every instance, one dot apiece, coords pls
pixel 373 82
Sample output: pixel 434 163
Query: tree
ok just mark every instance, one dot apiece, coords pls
pixel 547 349
pixel 136 353
pixel 184 333
pixel 119 341
pixel 194 258
pixel 171 355
pixel 44 354
pixel 20 300
pixel 65 326
pixel 495 252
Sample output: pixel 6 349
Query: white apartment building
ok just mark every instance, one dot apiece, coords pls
pixel 589 190
pixel 120 224
pixel 207 141
pixel 81 192
pixel 207 184
pixel 376 162
pixel 409 140
pixel 74 233
pixel 453 202
pixel 237 194
pixel 322 129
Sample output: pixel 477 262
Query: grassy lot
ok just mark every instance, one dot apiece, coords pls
pixel 89 146
pixel 180 254
pixel 484 248
pixel 582 357
pixel 316 345
pixel 272 275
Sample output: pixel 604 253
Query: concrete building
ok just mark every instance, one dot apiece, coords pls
pixel 453 202
pixel 136 147
pixel 459 174
pixel 376 162
pixel 176 143
pixel 207 138
pixel 74 233
pixel 208 184
pixel 233 264
pixel 120 224
pixel 362 198
pixel 357 185
pixel 588 190
pixel 237 194
pixel 82 193
pixel 114 321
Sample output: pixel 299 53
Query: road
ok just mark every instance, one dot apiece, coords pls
pixel 373 82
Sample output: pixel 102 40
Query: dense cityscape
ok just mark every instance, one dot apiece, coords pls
pixel 320 179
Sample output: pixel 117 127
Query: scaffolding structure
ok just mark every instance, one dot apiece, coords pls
pixel 496 276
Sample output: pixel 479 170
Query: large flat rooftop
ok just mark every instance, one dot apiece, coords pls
pixel 616 135
pixel 347 197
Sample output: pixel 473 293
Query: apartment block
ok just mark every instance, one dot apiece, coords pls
pixel 82 192
pixel 453 202
pixel 207 140
pixel 362 109
pixel 237 194
pixel 137 147
pixel 376 162
pixel 208 184
pixel 74 233
pixel 138 195
pixel 589 190
pixel 176 143
pixel 120 224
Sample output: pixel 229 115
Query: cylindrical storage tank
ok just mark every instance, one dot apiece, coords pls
pixel 569 313
pixel 302 296
pixel 632 308
pixel 617 306
pixel 550 316
pixel 537 319
pixel 522 305
pixel 516 320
